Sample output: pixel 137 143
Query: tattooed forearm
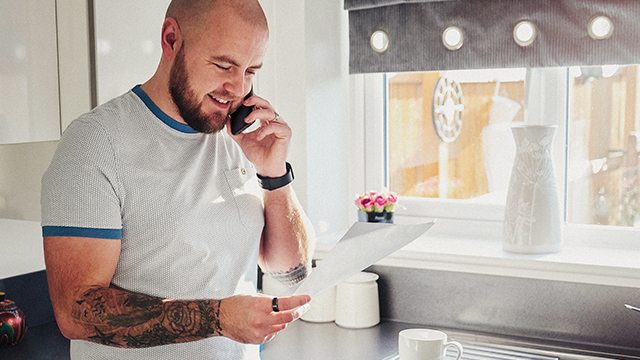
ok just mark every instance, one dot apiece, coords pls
pixel 122 318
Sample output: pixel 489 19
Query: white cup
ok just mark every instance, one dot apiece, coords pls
pixel 322 307
pixel 357 304
pixel 424 344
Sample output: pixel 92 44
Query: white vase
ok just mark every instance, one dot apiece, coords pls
pixel 532 222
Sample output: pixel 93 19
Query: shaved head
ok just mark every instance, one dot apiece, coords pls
pixel 193 15
pixel 211 51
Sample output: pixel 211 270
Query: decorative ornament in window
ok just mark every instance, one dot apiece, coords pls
pixel 453 38
pixel 524 33
pixel 600 27
pixel 447 109
pixel 379 41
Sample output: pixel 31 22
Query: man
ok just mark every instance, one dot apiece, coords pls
pixel 153 220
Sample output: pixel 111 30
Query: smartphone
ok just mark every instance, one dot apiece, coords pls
pixel 237 117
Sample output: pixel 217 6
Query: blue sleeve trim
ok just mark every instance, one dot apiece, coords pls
pixel 82 232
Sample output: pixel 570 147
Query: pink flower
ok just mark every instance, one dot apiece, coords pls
pixel 392 198
pixel 366 204
pixel 378 203
pixel 392 202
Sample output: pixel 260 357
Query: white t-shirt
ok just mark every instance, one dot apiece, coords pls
pixel 186 207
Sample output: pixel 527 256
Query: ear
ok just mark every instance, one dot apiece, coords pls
pixel 171 38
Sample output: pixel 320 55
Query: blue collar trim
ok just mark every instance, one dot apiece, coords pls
pixel 161 114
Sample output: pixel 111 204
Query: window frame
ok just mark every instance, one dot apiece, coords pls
pixel 369 99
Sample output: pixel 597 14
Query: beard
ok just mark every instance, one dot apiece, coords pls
pixel 187 102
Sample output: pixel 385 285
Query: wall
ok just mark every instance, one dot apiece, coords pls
pixel 306 78
pixel 328 122
pixel 21 168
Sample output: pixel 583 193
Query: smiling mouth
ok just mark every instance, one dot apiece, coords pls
pixel 220 101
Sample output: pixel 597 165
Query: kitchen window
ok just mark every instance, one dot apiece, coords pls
pixel 460 171
pixel 541 65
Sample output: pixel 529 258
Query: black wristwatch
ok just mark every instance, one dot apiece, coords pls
pixel 269 183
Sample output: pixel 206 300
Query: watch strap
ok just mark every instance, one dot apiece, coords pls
pixel 273 183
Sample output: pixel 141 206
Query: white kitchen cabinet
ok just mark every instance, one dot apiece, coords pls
pixel 44 68
pixel 74 56
pixel 29 99
pixel 127 43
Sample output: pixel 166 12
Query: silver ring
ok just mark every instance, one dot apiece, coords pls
pixel 274 304
pixel 276 117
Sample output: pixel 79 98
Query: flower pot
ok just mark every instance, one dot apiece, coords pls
pixel 376 217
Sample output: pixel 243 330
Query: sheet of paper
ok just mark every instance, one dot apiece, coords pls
pixel 360 247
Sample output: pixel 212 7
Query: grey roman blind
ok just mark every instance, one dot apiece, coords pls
pixel 415 32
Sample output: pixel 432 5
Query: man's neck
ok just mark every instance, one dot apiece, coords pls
pixel 158 91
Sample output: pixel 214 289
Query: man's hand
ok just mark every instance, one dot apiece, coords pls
pixel 267 146
pixel 251 320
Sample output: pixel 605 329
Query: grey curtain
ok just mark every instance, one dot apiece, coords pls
pixel 415 32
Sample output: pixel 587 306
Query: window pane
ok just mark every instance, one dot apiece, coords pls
pixel 603 180
pixel 449 133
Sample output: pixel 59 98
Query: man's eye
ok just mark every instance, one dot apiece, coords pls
pixel 223 67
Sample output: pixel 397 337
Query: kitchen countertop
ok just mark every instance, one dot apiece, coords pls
pixel 309 341
pixel 322 341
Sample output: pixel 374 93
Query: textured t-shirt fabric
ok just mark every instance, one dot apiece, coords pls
pixel 186 207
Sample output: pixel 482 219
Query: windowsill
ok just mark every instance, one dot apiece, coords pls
pixel 576 262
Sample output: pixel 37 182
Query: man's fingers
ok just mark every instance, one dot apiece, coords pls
pixel 258 102
pixel 285 317
pixel 291 315
pixel 262 114
pixel 279 327
pixel 277 128
pixel 292 302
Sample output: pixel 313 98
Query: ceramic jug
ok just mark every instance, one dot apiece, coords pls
pixel 532 223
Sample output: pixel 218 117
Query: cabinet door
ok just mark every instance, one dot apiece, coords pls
pixel 29 98
pixel 127 40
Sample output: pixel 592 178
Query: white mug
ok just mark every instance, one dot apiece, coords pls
pixel 357 305
pixel 424 344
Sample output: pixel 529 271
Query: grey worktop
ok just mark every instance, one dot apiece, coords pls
pixel 328 341
pixel 591 318
pixel 310 341
pixel 323 341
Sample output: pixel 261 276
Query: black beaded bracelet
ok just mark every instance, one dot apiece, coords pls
pixel 269 183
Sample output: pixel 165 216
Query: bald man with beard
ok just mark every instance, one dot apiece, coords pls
pixel 152 212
